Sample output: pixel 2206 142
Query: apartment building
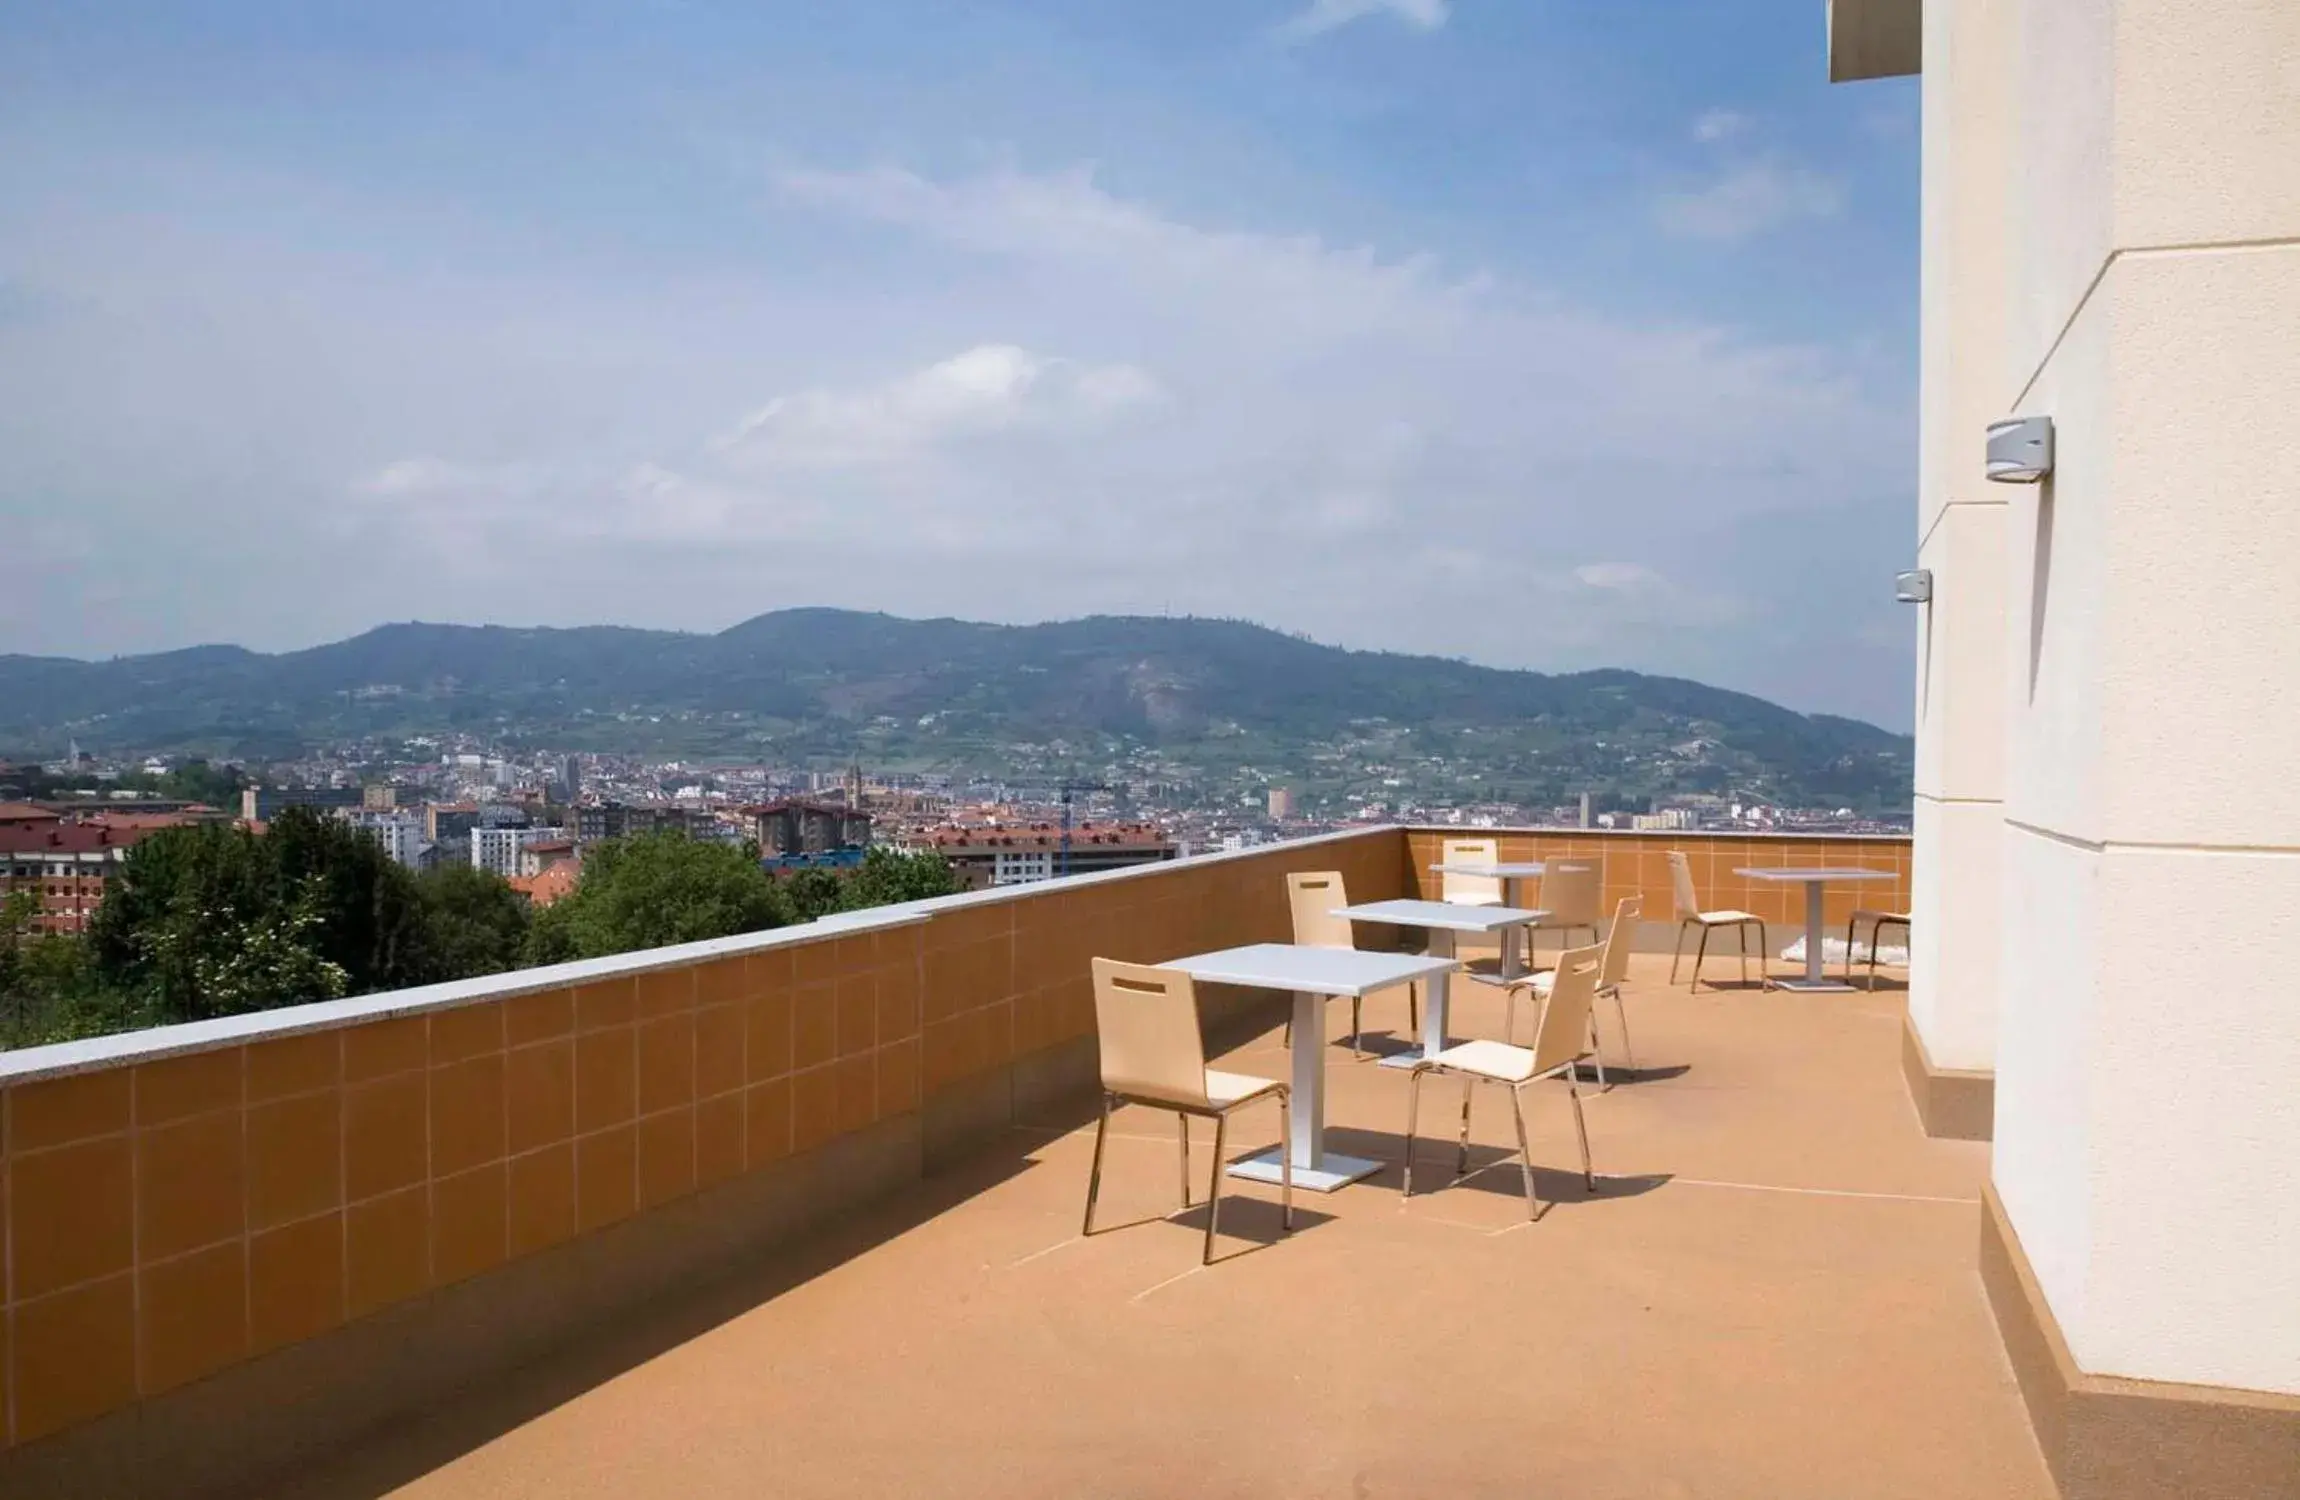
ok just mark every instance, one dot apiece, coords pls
pixel 67 863
pixel 985 856
pixel 399 832
pixel 798 825
pixel 504 849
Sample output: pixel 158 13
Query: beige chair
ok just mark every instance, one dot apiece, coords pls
pixel 1479 953
pixel 1878 921
pixel 1611 975
pixel 1560 1042
pixel 1690 914
pixel 1470 890
pixel 1152 1053
pixel 1573 894
pixel 1314 895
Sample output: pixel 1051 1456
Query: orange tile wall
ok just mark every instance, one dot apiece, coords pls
pixel 1636 864
pixel 164 1220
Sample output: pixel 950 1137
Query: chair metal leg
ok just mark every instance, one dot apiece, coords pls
pixel 1851 924
pixel 1509 1015
pixel 1699 954
pixel 1742 929
pixel 1524 1154
pixel 1357 1024
pixel 1461 1162
pixel 1621 1009
pixel 1677 954
pixel 1182 1122
pixel 1764 959
pixel 1214 1190
pixel 1414 1007
pixel 1581 1128
pixel 1597 1050
pixel 1094 1178
pixel 1413 1108
pixel 1285 1160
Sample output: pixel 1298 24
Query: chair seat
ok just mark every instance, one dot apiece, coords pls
pixel 1496 1060
pixel 1865 915
pixel 1226 1089
pixel 1724 918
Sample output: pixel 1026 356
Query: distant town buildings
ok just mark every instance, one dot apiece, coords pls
pixel 797 825
pixel 260 804
pixel 399 831
pixel 503 848
pixel 615 820
pixel 984 856
pixel 69 861
pixel 1281 803
pixel 541 855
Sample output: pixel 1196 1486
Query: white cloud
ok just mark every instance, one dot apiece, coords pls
pixel 990 388
pixel 1617 576
pixel 1749 198
pixel 1238 423
pixel 1718 124
pixel 1322 16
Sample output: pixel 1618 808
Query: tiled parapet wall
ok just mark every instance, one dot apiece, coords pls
pixel 182 1201
pixel 1636 864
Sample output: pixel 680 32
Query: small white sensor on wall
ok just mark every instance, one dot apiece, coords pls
pixel 2020 450
pixel 1914 587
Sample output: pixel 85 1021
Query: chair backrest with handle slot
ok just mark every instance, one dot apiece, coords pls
pixel 1146 1021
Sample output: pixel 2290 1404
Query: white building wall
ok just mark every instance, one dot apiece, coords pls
pixel 2146 1133
pixel 1958 808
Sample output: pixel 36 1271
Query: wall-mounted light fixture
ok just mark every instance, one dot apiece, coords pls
pixel 1914 587
pixel 2020 450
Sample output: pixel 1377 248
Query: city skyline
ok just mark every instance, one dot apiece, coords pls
pixel 1022 312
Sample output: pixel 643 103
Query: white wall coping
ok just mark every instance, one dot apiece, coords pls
pixel 1568 830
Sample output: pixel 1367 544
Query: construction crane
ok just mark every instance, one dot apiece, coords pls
pixel 1068 789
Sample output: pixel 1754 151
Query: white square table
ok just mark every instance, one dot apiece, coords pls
pixel 1441 920
pixel 1313 975
pixel 1816 979
pixel 1512 873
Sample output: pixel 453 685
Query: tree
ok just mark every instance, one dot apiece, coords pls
pixel 652 890
pixel 49 991
pixel 473 922
pixel 887 877
pixel 209 920
pixel 814 893
pixel 368 917
pixel 230 961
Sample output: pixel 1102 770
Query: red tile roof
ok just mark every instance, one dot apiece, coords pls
pixel 1029 836
pixel 550 886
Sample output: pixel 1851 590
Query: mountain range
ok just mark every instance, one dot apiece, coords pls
pixel 954 695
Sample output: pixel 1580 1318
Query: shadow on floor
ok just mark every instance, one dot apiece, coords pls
pixel 461 1420
pixel 1260 1222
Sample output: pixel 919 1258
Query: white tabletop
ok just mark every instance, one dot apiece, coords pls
pixel 1522 869
pixel 1451 916
pixel 1317 971
pixel 1819 873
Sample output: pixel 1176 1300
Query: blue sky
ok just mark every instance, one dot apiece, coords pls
pixel 1545 334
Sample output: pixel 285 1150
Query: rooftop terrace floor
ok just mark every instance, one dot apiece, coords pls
pixel 1772 1293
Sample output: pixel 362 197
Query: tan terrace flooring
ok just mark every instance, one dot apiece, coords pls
pixel 1771 1294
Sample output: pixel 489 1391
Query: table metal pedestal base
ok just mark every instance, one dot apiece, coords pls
pixel 1339 1171
pixel 1806 986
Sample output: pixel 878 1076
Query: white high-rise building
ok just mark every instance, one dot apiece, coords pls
pixel 499 849
pixel 399 832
